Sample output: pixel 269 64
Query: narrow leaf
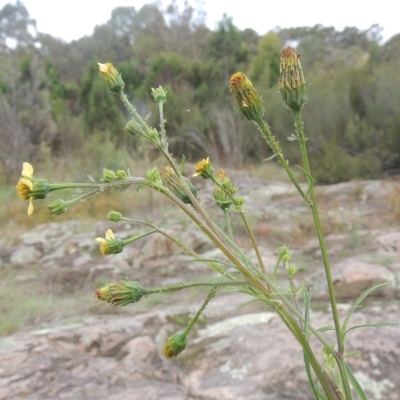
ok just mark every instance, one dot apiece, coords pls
pixel 358 301
pixel 373 324
pixel 354 383
pixel 326 328
pixel 246 304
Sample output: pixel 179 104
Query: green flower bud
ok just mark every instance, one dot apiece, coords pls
pixel 247 98
pixel 153 177
pixel 134 128
pixel 121 175
pixel 114 216
pixel 57 207
pixel 292 84
pixel 284 254
pixel 175 185
pixel 221 196
pixel 109 175
pixel 111 78
pixel 175 345
pixel 159 94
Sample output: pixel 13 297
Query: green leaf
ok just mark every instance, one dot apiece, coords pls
pixel 354 383
pixel 232 289
pixel 270 158
pixel 246 304
pixel 307 298
pixel 326 328
pixel 357 303
pixel 373 324
pixel 211 260
pixel 312 181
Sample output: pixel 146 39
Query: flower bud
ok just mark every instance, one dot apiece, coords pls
pixel 108 176
pixel 159 94
pixel 247 98
pixel 134 128
pixel 121 175
pixel 111 78
pixel 221 196
pixel 57 207
pixel 175 185
pixel 121 293
pixel 154 178
pixel 284 254
pixel 292 84
pixel 175 345
pixel 114 216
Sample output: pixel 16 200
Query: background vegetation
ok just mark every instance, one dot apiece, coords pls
pixel 56 113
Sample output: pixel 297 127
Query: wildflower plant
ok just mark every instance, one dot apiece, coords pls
pixel 330 376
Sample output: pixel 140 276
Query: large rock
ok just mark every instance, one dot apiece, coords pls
pixel 352 277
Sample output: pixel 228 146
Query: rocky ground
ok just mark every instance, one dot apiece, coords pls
pixel 107 353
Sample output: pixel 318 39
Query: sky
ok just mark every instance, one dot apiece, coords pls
pixel 73 19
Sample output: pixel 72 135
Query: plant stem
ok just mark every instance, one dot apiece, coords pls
pixel 266 132
pixel 324 252
pixel 202 308
pixel 253 241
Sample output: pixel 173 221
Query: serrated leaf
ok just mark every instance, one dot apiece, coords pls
pixel 354 383
pixel 358 301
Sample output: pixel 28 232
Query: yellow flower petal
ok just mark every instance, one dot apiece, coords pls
pixel 27 182
pixel 110 234
pixel 102 67
pixel 100 240
pixel 30 208
pixel 27 170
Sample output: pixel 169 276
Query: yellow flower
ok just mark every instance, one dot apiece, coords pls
pixel 204 168
pixel 25 185
pixel 110 245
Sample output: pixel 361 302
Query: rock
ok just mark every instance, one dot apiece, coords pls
pixel 351 278
pixel 26 256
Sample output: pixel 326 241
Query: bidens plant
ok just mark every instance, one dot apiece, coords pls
pixel 329 378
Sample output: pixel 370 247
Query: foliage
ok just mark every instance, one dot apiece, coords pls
pixel 354 91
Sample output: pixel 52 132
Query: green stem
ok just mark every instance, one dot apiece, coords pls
pixel 137 237
pixel 228 225
pixel 177 242
pixel 301 338
pixel 182 286
pixel 324 252
pixel 202 308
pixel 61 186
pixel 253 241
pixel 266 132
